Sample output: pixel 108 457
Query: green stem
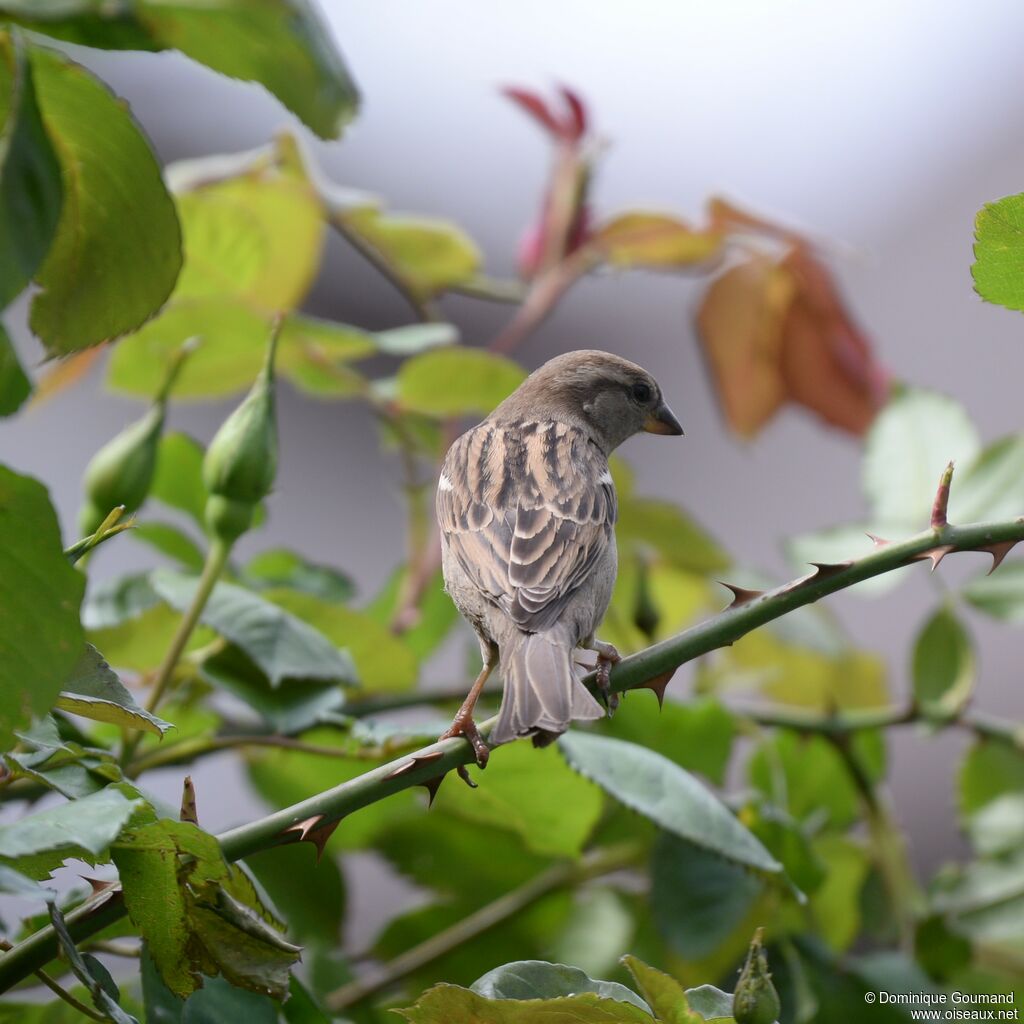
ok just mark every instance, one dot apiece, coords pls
pixel 62 993
pixel 595 864
pixel 438 758
pixel 216 560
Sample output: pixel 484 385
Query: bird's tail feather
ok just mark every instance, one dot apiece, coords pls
pixel 543 691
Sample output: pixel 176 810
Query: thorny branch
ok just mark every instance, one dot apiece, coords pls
pixel 315 818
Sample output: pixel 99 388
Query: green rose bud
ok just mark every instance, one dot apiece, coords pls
pixel 121 472
pixel 755 1000
pixel 241 462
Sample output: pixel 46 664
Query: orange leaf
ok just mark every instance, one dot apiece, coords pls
pixel 740 326
pixel 826 362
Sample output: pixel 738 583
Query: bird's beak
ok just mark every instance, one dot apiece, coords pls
pixel 662 421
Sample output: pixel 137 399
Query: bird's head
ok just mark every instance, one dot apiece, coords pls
pixel 607 396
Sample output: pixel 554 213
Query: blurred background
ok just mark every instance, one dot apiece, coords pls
pixel 879 129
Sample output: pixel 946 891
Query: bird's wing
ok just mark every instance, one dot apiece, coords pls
pixel 527 511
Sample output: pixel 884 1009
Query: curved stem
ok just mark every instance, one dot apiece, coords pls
pixel 633 672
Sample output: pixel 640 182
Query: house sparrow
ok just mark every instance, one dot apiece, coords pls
pixel 527 509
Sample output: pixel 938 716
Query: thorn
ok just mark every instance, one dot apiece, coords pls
pixel 740 595
pixel 935 556
pixel 414 762
pixel 432 786
pixel 188 802
pixel 464 775
pixel 98 885
pixel 657 685
pixel 822 570
pixel 318 837
pixel 879 542
pixel 402 769
pixel 941 502
pixel 998 552
pixel 303 828
pixel 311 831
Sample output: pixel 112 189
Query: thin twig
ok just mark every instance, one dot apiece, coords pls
pixel 594 865
pixel 62 993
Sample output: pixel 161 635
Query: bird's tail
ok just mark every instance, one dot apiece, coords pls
pixel 543 689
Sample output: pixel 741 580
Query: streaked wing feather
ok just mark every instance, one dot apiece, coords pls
pixel 527 510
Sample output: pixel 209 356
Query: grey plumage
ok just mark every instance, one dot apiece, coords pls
pixel 527 508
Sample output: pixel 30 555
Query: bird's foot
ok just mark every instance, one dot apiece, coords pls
pixel 464 726
pixel 607 657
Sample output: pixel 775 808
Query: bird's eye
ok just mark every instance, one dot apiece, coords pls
pixel 641 392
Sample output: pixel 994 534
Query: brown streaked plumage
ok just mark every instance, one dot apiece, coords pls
pixel 526 508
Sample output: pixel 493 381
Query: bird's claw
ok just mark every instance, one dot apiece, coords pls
pixel 463 773
pixel 607 657
pixel 465 726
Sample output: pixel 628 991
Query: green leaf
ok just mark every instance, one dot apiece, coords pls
pixel 671 533
pixel 990 769
pixel 414 338
pixel 943 665
pixel 301 1007
pixel 644 238
pixel 662 791
pixel 199 914
pixel 997 827
pixel 252 249
pixel 599 928
pixel 289 707
pixel 31 192
pixel 79 828
pixel 15 387
pixel 444 1004
pixel 999 252
pixel 94 691
pixel 810 777
pixel 256 235
pixel 218 1002
pixel 711 1003
pixel 533 793
pixel 992 486
pixel 697 897
pixel 314 912
pixel 835 904
pixel 663 993
pixel 537 979
pixel 457 381
pixel 64 765
pixel 428 255
pixel 303 68
pixel 279 567
pixel 227 359
pixel 698 735
pixel 170 541
pixel 383 663
pixel 90 972
pixel 315 356
pixel 1000 595
pixel 117 250
pixel 14 883
pixel 282 645
pixel 906 450
pixel 437 613
pixel 40 594
pixel 178 481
